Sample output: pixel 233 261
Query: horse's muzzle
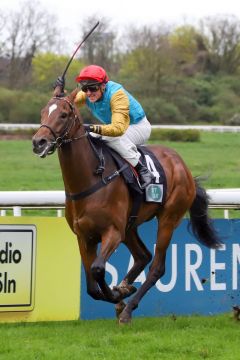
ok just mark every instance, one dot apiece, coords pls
pixel 42 147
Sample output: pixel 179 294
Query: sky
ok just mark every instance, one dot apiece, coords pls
pixel 122 13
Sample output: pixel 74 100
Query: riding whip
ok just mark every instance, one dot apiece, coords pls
pixel 84 39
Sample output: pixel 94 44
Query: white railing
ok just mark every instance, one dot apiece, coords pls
pixel 17 200
pixel 214 128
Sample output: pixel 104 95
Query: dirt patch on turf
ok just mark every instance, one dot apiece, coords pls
pixel 15 136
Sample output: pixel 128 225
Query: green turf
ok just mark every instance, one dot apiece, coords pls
pixel 216 155
pixel 165 338
pixel 20 169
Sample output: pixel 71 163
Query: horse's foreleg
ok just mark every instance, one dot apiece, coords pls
pixel 88 255
pixel 156 271
pixel 111 238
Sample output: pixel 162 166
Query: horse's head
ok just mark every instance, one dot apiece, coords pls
pixel 60 119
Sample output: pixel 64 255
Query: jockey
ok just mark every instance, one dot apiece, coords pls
pixel 124 121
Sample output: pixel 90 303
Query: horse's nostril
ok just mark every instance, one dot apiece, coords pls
pixel 39 145
pixel 42 142
pixel 39 142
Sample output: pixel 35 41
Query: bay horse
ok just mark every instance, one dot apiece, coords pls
pixel 102 216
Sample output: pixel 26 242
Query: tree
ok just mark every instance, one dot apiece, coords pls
pixel 189 50
pixel 100 46
pixel 2 25
pixel 222 36
pixel 46 67
pixel 148 60
pixel 28 30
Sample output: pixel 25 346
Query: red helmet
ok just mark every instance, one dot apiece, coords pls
pixel 93 73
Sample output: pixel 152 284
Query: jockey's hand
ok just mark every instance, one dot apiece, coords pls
pixel 88 128
pixel 92 128
pixel 59 82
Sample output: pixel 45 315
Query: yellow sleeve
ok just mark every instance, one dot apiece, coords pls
pixel 80 98
pixel 120 116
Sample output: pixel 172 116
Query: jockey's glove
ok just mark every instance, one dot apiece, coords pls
pixel 93 128
pixel 59 82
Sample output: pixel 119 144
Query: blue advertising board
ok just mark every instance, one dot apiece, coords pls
pixel 197 280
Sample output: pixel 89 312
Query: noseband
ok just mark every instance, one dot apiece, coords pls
pixel 62 139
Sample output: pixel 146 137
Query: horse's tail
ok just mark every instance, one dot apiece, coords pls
pixel 201 223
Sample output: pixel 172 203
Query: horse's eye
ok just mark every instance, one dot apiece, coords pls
pixel 63 115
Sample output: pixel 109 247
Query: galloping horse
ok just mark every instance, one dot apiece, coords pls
pixel 101 216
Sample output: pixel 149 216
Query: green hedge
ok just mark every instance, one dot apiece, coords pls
pixel 188 135
pixel 17 106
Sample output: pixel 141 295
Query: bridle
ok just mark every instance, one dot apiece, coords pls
pixel 63 138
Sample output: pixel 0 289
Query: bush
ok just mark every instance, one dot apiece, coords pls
pixel 21 107
pixel 234 120
pixel 188 135
pixel 208 114
pixel 159 111
pixel 204 91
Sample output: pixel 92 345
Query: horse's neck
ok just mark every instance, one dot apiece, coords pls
pixel 78 163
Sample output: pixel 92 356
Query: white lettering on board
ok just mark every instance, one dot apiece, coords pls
pixel 191 268
pixel 113 272
pixel 193 262
pixel 168 287
pixel 216 266
pixel 142 277
pixel 235 262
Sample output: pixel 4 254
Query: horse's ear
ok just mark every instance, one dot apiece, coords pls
pixel 57 91
pixel 73 94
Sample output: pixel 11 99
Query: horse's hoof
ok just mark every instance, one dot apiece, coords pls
pixel 124 318
pixel 126 290
pixel 119 307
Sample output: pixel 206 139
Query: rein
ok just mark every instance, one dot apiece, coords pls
pixel 61 140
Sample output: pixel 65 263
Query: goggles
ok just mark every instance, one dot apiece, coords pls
pixel 91 88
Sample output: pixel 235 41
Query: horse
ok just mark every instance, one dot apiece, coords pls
pixel 99 218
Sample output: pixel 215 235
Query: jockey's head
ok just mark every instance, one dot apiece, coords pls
pixel 93 79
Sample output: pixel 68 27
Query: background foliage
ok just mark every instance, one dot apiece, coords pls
pixel 184 74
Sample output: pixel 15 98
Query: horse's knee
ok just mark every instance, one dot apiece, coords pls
pixel 156 274
pixel 147 257
pixel 98 271
pixel 95 294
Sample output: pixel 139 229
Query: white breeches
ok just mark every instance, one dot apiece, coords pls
pixel 125 145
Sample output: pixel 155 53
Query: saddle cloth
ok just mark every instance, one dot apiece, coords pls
pixel 154 192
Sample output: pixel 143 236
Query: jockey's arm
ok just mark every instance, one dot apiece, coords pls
pixel 120 115
pixel 80 98
pixel 120 120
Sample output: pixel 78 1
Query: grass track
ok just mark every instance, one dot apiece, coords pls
pixel 185 338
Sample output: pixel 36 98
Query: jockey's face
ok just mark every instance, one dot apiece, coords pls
pixel 94 96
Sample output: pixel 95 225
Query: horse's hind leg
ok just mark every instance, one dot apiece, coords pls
pixel 141 255
pixel 156 271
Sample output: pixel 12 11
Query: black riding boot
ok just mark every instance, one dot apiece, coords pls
pixel 145 177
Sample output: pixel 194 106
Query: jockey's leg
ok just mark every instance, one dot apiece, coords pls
pixel 125 146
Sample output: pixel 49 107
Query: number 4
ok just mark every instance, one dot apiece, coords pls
pixel 152 168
